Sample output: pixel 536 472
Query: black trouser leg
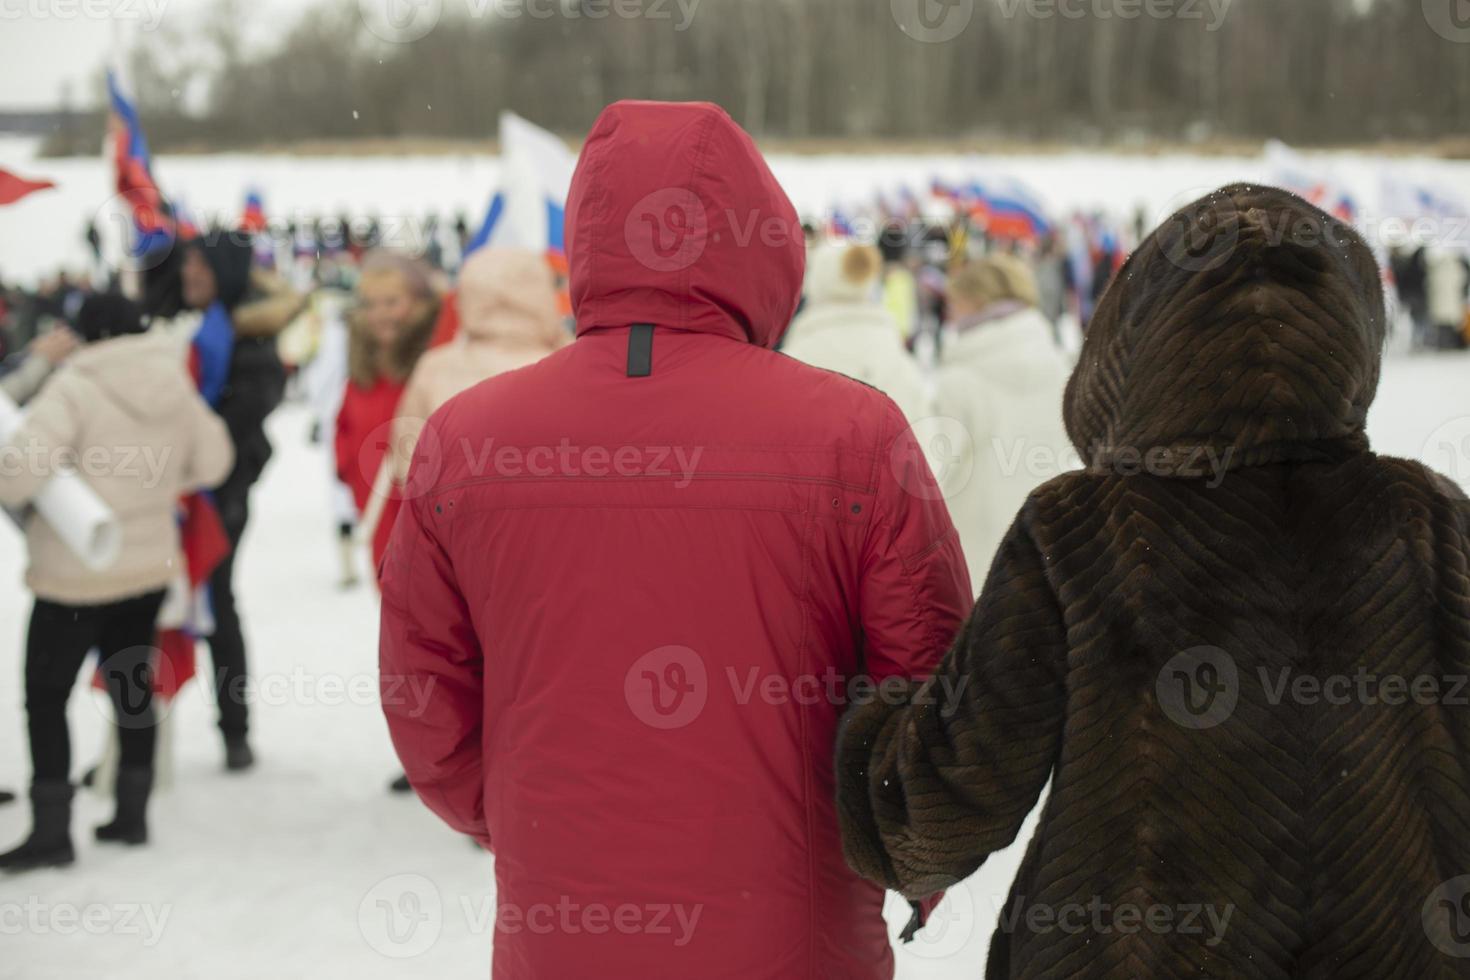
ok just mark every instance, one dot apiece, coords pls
pixel 126 645
pixel 57 642
pixel 227 643
pixel 227 649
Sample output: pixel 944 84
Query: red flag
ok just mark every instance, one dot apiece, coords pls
pixel 202 537
pixel 13 188
pixel 173 667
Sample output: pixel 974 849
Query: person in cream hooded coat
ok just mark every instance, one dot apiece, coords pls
pixel 999 404
pixel 845 328
pixel 125 415
pixel 508 319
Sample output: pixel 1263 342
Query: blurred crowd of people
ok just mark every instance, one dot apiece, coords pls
pixel 372 340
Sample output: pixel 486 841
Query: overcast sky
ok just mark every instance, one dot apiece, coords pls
pixel 48 44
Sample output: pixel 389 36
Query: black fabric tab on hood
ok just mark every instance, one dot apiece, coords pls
pixel 640 350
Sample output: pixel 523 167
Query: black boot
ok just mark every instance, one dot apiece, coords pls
pixel 400 785
pixel 130 825
pixel 6 796
pixel 238 756
pixel 49 845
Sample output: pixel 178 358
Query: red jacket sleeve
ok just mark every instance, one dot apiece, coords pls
pixel 431 673
pixel 915 589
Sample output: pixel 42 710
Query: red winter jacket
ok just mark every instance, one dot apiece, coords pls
pixel 364 427
pixel 635 573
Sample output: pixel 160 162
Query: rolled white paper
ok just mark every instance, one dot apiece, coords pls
pixel 84 523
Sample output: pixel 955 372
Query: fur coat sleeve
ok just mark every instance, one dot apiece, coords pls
pixel 930 788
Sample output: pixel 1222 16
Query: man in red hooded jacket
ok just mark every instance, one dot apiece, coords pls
pixel 640 579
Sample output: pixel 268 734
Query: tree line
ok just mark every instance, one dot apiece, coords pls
pixel 1073 71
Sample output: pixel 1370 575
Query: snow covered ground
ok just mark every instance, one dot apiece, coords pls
pixel 307 867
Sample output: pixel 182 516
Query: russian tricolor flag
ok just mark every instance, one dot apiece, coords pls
pixel 529 209
pixel 1007 210
pixel 253 220
pixel 152 218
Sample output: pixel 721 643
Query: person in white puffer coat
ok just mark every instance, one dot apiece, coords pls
pixel 999 404
pixel 843 327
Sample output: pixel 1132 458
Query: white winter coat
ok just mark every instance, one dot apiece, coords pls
pixel 861 341
pixel 999 410
pixel 1446 284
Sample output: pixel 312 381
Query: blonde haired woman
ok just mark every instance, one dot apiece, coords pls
pixel 1002 380
pixel 389 331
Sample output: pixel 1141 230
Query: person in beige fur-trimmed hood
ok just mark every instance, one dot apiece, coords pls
pixel 124 414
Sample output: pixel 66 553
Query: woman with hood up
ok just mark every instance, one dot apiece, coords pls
pixel 126 413
pixel 1236 644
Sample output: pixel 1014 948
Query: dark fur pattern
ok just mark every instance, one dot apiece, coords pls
pixel 1244 679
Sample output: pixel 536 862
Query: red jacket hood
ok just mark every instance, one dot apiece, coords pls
pixel 674 219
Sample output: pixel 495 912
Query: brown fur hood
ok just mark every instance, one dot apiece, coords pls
pixel 1246 329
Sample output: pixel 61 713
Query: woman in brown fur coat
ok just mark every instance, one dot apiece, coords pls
pixel 1237 645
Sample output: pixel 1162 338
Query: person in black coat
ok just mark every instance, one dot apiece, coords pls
pixel 205 272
